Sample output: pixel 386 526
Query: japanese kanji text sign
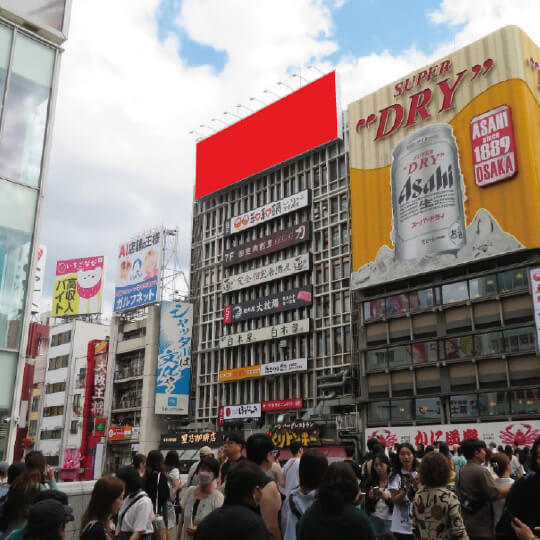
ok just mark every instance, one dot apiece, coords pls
pixel 238 412
pixel 174 358
pixel 100 378
pixel 190 439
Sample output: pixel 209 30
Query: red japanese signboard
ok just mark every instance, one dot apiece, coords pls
pixel 493 146
pixel 282 405
pixel 100 378
pixel 119 433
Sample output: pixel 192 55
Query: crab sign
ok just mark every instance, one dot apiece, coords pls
pixel 522 434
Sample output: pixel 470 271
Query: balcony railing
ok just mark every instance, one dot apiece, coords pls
pixel 127 403
pixel 128 372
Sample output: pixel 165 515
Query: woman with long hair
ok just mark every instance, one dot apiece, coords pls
pixel 334 514
pixel 403 486
pixel 501 467
pixel 172 464
pixel 199 501
pixel 444 449
pixel 157 488
pixel 37 476
pixel 105 502
pixel 436 509
pixel 379 505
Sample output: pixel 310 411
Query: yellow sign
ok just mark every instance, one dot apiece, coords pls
pixel 77 287
pixel 445 162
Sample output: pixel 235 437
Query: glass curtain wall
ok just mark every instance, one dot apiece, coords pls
pixel 26 75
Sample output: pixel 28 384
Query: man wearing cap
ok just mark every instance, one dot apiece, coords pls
pixel 234 444
pixel 47 520
pixel 193 477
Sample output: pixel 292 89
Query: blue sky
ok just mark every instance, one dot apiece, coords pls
pixel 361 27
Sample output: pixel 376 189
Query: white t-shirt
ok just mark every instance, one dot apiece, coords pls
pixel 291 473
pixel 498 506
pixel 382 511
pixel 138 517
pixel 402 513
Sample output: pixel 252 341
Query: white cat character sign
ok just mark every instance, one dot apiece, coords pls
pixel 78 286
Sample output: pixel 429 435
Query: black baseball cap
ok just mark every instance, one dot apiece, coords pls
pixel 45 516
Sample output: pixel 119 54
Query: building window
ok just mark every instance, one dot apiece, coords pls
pixel 512 280
pixel 51 434
pixel 428 409
pixel 424 353
pixel 378 412
pixel 519 339
pixel 464 406
pixel 58 362
pixel 396 305
pixel 76 400
pixel 493 404
pixel 399 356
pixel 53 461
pixel 490 343
pixel 74 427
pixel 424 299
pixel 35 404
pixel 53 411
pixel 52 388
pixel 374 309
pixel 525 401
pixel 457 348
pixel 376 359
pixel 401 410
pixel 61 339
pixel 483 286
pixel 455 292
pixel 32 428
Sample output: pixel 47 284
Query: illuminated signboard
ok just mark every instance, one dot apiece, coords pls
pixel 305 119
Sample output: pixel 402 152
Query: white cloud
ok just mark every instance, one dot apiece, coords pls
pixel 122 159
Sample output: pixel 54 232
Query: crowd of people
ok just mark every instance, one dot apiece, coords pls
pixel 471 492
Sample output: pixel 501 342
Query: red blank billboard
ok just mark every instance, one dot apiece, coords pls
pixel 296 123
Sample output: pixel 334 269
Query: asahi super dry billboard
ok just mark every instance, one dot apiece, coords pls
pixel 444 163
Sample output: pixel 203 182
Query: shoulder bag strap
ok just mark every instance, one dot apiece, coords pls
pixel 157 493
pixel 131 503
pixel 294 508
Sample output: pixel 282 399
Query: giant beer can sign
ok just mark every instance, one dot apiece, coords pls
pixel 427 194
pixel 439 177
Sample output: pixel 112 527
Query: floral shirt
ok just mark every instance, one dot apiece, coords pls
pixel 437 515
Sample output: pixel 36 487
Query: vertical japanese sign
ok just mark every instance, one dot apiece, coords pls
pixel 38 279
pixel 138 271
pixel 78 286
pixel 535 290
pixel 174 358
pixel 100 379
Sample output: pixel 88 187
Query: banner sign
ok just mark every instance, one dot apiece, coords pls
pixel 501 433
pixel 183 440
pixel 282 405
pixel 436 167
pixel 272 368
pixel 535 290
pixel 138 271
pixel 238 412
pixel 264 334
pixel 38 280
pixel 174 358
pixel 119 433
pixel 287 366
pixel 100 378
pixel 493 146
pixel 77 286
pixel 304 432
pixel 291 236
pixel 267 305
pixel 266 213
pixel 277 270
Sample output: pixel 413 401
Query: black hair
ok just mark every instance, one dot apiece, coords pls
pixel 14 470
pixel 371 443
pixel 130 476
pixel 235 436
pixel 210 463
pixel 171 460
pixel 154 462
pixel 338 488
pixel 257 447
pixel 294 447
pixel 396 463
pixel 469 447
pixel 534 452
pixel 138 459
pixel 349 450
pixel 242 479
pixel 313 466
pixel 384 459
pixel 444 448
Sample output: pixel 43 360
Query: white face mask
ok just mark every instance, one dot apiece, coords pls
pixel 206 478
